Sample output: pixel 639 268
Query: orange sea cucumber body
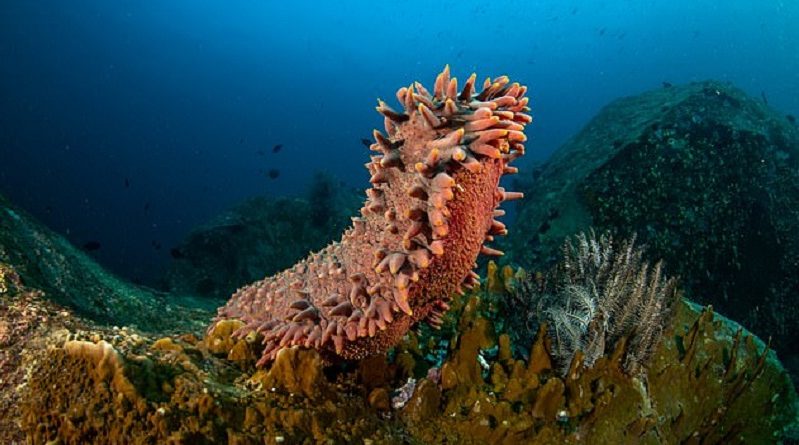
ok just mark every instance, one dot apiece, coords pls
pixel 435 176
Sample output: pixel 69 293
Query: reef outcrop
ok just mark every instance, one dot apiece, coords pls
pixel 706 176
pixel 434 197
pixel 47 262
pixel 707 381
pixel 258 237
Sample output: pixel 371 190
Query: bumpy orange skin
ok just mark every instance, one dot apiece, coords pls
pixel 431 208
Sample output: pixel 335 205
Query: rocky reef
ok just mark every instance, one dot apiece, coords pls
pixel 47 262
pixel 708 381
pixel 708 179
pixel 259 236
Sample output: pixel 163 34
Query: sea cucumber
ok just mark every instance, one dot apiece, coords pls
pixel 432 206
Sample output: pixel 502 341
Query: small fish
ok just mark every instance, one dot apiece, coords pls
pixel 176 253
pixel 791 118
pixel 156 245
pixel 241 141
pixel 366 142
pixel 602 31
pixel 146 207
pixel 763 96
pixel 91 246
pixel 277 148
pixel 667 84
pixel 127 183
pixel 260 152
pixel 273 173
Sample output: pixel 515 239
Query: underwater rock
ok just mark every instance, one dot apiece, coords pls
pixel 435 192
pixel 27 321
pixel 707 381
pixel 257 237
pixel 46 261
pixel 708 179
pixel 122 386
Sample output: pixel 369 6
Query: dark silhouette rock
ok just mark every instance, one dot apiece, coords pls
pixel 706 176
pixel 259 237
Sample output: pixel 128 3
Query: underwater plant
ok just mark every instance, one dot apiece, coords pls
pixel 603 292
pixel 431 208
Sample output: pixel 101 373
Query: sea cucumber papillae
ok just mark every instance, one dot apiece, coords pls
pixel 434 196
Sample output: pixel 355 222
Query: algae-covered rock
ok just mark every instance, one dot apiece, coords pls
pixel 379 399
pixel 259 237
pixel 68 379
pixel 297 371
pixel 29 323
pixel 705 381
pixel 708 381
pixel 174 390
pixel 424 404
pixel 706 176
pixel 46 261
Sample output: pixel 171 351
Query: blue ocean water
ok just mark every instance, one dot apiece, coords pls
pixel 129 123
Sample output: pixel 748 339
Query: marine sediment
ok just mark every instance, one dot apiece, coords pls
pixel 428 215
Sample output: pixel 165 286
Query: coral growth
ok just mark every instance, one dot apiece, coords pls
pixel 431 207
pixel 27 321
pixel 710 382
pixel 707 378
